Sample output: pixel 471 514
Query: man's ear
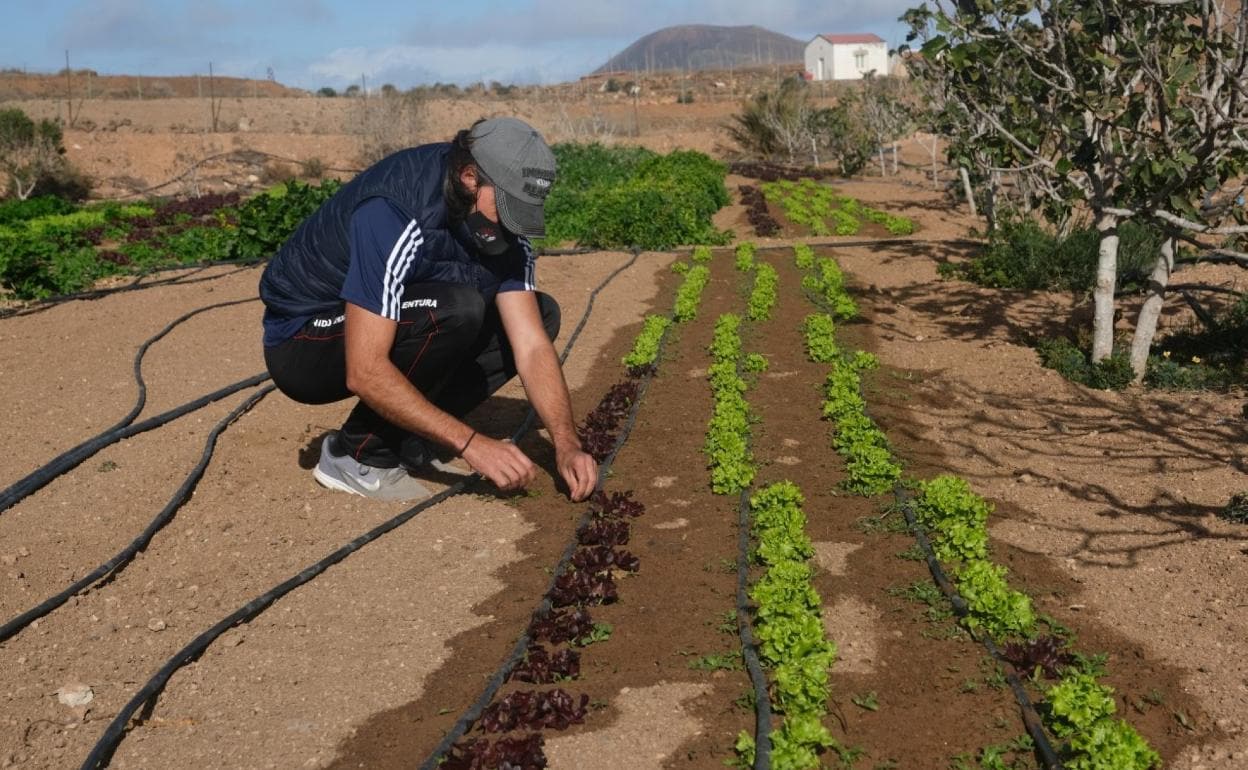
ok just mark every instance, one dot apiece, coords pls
pixel 468 178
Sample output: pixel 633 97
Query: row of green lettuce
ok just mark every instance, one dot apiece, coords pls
pixel 820 209
pixel 1078 709
pixel 606 197
pixel 788 620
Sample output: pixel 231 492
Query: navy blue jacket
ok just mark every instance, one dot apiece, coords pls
pixel 307 274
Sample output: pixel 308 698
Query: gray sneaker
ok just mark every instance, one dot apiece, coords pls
pixel 343 473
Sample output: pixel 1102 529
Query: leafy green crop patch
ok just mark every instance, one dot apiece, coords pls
pixel 46 249
pixel 817 207
pixel 611 197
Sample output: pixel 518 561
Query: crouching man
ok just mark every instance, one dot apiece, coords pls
pixel 413 289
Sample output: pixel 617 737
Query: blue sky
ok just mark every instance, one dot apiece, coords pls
pixel 311 43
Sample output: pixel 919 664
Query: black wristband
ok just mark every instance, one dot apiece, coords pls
pixel 464 448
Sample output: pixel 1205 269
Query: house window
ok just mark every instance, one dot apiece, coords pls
pixel 860 59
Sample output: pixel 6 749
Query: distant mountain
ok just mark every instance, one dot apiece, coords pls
pixel 702 47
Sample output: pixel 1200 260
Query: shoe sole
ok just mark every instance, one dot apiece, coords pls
pixel 329 482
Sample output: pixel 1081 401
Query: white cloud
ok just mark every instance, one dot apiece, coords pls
pixel 408 65
pixel 543 21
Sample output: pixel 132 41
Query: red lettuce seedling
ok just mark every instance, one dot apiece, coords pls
pixel 1046 652
pixel 561 626
pixel 600 558
pixel 578 587
pixel 618 505
pixel 528 710
pixel 603 532
pixel 503 754
pixel 541 667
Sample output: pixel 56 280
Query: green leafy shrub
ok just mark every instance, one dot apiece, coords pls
pixel 1023 255
pixel 1204 358
pixel 755 363
pixel 266 221
pixel 32 208
pixel 1236 510
pixel 1064 357
pixel 613 197
pixel 701 255
pixel 36 265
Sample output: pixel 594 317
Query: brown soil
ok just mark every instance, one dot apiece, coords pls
pixel 1106 506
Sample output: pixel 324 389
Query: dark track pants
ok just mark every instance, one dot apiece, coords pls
pixel 449 343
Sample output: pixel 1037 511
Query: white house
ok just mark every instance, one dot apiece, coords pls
pixel 846 57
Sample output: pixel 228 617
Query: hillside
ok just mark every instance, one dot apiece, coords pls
pixel 15 84
pixel 703 46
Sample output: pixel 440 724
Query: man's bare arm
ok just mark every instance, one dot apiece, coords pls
pixel 540 371
pixel 373 377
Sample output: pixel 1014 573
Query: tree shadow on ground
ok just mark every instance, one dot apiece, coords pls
pixel 964 311
pixel 1068 435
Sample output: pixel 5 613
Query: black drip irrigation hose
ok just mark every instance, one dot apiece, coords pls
pixel 877 242
pixel 135 285
pixel 73 457
pixel 749 648
pixel 113 735
pixel 70 458
pixel 115 565
pixel 1031 719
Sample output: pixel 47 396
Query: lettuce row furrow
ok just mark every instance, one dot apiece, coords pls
pixel 1078 709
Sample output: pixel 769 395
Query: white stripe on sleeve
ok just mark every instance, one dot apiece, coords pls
pixel 393 262
pixel 397 305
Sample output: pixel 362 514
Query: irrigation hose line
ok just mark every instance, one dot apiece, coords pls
pixel 69 459
pixel 135 285
pixel 196 267
pixel 115 565
pixel 749 648
pixel 1031 720
pixel 104 748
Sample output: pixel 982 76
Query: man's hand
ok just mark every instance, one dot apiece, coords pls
pixel 501 462
pixel 579 470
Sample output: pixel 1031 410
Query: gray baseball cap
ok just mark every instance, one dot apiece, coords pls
pixel 521 166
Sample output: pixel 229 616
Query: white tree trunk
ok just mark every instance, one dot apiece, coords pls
pixel 1103 291
pixel 894 158
pixel 883 168
pixel 935 168
pixel 1146 326
pixel 970 193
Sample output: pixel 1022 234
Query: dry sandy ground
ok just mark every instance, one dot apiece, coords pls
pixel 1118 490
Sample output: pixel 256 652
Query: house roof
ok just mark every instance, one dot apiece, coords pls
pixel 852 39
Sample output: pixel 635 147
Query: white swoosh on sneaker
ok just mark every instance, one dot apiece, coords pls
pixel 371 486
